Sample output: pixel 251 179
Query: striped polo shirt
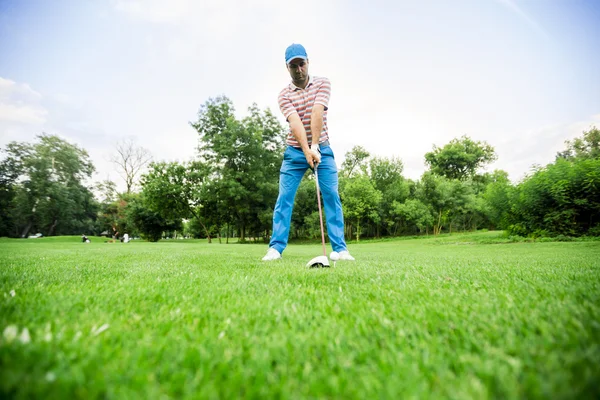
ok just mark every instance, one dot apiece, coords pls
pixel 293 99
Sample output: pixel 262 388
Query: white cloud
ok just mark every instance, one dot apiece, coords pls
pixel 22 113
pixel 19 103
pixel 10 88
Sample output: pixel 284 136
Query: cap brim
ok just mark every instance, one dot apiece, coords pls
pixel 295 58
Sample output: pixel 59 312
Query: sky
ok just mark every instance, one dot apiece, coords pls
pixel 521 75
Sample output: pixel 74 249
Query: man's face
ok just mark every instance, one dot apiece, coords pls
pixel 298 69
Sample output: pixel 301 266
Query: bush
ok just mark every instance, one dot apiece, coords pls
pixel 595 231
pixel 561 199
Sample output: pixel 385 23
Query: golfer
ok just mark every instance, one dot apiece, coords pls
pixel 304 103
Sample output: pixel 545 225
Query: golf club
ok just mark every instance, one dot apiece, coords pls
pixel 320 261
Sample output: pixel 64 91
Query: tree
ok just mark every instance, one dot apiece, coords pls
pixel 360 201
pixel 386 176
pixel 497 199
pixel 150 223
pixel 584 147
pixel 9 172
pixel 385 172
pixel 445 197
pixel 49 194
pixel 415 213
pixel 175 191
pixel 459 159
pixel 106 191
pixel 355 162
pixel 130 160
pixel 244 158
pixel 562 198
pixel 113 216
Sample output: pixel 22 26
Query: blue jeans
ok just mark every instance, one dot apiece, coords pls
pixel 292 170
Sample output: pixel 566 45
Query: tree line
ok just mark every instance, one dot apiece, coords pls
pixel 230 187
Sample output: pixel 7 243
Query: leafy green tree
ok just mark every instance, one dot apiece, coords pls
pixel 106 191
pixel 476 210
pixel 446 198
pixel 415 213
pixel 470 212
pixel 385 172
pixel 386 176
pixel 9 172
pixel 480 182
pixel 355 162
pixel 459 159
pixel 150 223
pixel 562 198
pixel 312 225
pixel 113 218
pixel 497 199
pixel 49 190
pixel 244 158
pixel 175 190
pixel 360 202
pixel 585 147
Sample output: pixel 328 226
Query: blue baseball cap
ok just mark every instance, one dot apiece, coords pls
pixel 295 51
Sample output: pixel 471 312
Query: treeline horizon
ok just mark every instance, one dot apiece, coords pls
pixel 231 186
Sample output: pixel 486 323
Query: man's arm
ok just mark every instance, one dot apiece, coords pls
pixel 320 105
pixel 316 124
pixel 312 155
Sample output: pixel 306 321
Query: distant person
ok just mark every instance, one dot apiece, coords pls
pixel 85 239
pixel 304 103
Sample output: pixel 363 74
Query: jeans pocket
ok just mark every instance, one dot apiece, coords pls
pixel 327 152
pixel 286 153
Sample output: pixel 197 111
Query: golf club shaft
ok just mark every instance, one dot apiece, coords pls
pixel 320 212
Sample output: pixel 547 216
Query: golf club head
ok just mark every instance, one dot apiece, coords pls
pixel 318 262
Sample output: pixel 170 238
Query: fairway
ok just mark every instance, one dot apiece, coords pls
pixel 448 317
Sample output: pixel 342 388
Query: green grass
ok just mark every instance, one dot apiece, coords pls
pixel 445 317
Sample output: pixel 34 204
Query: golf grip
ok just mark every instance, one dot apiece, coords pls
pixel 320 212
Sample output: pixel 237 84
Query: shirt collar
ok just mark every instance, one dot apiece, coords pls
pixel 294 87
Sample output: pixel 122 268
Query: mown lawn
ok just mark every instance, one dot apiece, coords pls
pixel 422 318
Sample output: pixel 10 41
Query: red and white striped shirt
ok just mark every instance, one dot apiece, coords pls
pixel 293 99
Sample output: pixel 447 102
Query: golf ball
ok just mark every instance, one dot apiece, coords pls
pixel 334 256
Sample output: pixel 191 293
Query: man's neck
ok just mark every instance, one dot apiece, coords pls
pixel 301 84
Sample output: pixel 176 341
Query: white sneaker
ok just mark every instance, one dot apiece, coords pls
pixel 271 255
pixel 342 255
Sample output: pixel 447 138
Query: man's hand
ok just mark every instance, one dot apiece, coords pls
pixel 312 157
